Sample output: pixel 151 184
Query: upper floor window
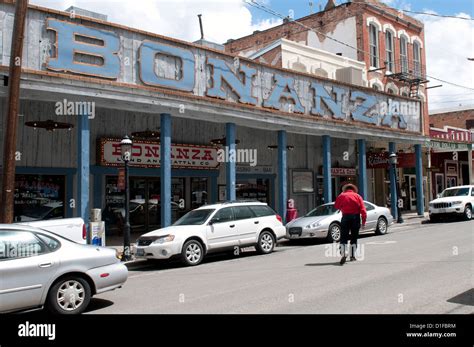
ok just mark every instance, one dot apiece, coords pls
pixel 403 54
pixel 389 50
pixel 416 58
pixel 374 45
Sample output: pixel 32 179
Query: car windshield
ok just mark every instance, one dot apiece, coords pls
pixel 323 210
pixel 196 217
pixel 455 192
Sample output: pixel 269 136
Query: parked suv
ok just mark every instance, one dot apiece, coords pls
pixel 213 228
pixel 457 201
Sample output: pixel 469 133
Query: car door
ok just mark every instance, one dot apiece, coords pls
pixel 372 216
pixel 222 229
pixel 246 225
pixel 26 266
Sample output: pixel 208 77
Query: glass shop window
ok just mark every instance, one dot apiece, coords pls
pixel 39 197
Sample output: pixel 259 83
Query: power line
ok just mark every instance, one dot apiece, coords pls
pixel 266 9
pixel 437 15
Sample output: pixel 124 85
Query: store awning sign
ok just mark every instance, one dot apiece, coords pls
pixel 343 171
pixel 380 160
pixel 128 58
pixel 147 154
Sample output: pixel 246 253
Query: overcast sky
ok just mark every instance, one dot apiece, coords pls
pixel 449 42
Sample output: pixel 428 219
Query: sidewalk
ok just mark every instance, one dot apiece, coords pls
pixel 411 218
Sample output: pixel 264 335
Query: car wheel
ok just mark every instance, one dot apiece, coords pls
pixel 192 253
pixel 334 232
pixel 266 242
pixel 468 212
pixel 69 295
pixel 381 226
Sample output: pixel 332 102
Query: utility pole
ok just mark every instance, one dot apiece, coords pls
pixel 16 57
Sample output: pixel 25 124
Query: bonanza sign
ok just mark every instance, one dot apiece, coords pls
pixel 123 56
pixel 147 154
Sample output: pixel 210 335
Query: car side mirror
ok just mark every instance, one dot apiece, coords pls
pixel 438 196
pixel 213 221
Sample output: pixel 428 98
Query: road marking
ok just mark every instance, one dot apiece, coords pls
pixel 380 242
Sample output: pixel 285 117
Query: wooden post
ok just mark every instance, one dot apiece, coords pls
pixel 16 56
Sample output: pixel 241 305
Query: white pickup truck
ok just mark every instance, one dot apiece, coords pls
pixel 73 229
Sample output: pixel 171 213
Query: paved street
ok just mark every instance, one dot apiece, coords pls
pixel 414 269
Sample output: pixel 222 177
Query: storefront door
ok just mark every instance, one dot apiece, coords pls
pixel 145 203
pixel 410 182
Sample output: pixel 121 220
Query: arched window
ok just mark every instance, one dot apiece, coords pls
pixel 321 72
pixel 297 66
pixel 376 87
pixel 389 52
pixel 374 45
pixel 416 59
pixel 403 54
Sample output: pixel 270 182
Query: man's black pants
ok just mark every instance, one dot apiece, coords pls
pixel 350 223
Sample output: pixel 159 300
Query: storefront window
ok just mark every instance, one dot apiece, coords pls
pixel 39 197
pixel 253 189
pixel 199 195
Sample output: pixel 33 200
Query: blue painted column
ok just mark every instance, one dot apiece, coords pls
pixel 230 163
pixel 420 199
pixel 393 183
pixel 282 179
pixel 83 170
pixel 165 169
pixel 327 169
pixel 361 145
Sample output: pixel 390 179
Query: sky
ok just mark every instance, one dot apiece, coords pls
pixel 448 42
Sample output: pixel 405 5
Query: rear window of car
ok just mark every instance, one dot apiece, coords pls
pixel 262 211
pixel 243 212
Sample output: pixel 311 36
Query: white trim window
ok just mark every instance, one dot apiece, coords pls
pixel 403 54
pixel 416 59
pixel 374 45
pixel 389 52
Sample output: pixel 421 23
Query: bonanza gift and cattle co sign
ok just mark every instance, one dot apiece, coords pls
pixel 147 154
pixel 134 58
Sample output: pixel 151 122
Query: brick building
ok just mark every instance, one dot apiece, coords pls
pixel 452 138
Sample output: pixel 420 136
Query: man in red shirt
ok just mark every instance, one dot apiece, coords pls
pixel 352 207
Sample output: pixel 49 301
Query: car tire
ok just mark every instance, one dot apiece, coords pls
pixel 69 295
pixel 334 232
pixel 192 253
pixel 468 212
pixel 266 242
pixel 382 226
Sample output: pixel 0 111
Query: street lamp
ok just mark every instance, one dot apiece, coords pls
pixel 126 150
pixel 392 158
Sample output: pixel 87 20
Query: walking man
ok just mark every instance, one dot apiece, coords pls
pixel 352 207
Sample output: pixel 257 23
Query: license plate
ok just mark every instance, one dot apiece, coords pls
pixel 442 210
pixel 140 252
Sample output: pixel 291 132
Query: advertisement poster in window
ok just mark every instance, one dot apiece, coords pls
pixel 39 197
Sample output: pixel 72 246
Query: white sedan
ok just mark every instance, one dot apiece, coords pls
pixel 325 222
pixel 39 268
